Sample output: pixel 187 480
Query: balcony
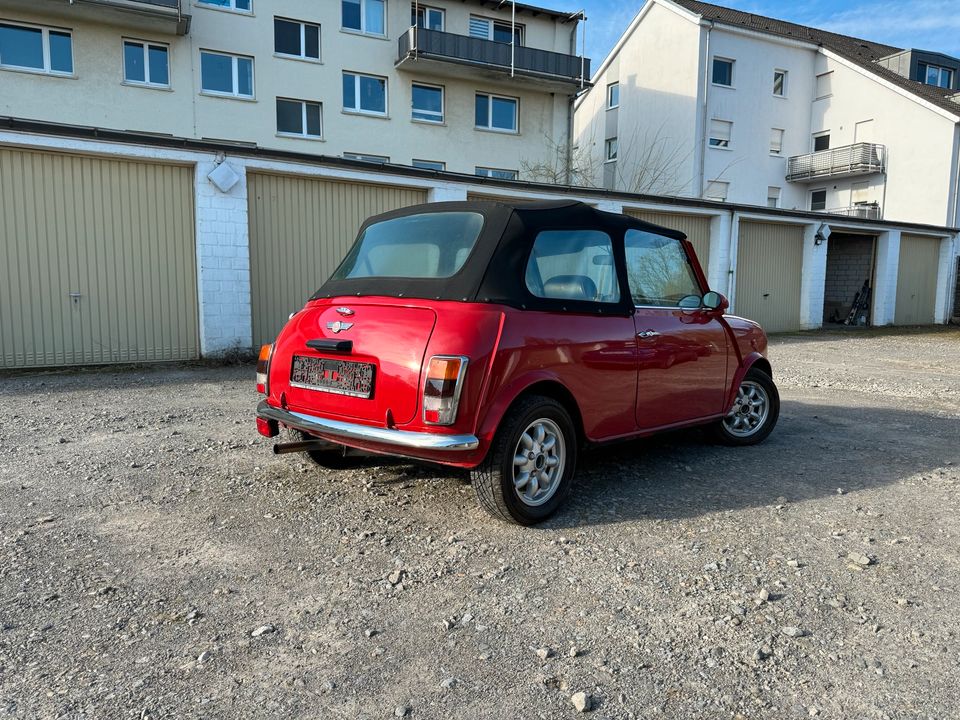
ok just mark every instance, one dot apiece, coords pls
pixel 845 161
pixel 865 211
pixel 443 53
pixel 161 16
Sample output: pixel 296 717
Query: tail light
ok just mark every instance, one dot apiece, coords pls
pixel 263 366
pixel 441 391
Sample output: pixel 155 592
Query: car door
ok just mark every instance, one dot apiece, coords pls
pixel 682 354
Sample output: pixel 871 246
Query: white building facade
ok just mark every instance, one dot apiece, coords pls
pixel 470 87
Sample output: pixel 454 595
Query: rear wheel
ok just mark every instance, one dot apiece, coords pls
pixel 754 413
pixel 529 469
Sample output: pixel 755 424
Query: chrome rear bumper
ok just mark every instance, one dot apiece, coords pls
pixel 334 429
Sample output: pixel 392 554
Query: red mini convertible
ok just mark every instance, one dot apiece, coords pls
pixel 503 338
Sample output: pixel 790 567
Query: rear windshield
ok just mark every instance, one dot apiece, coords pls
pixel 429 245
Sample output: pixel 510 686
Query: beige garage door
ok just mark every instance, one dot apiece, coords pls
pixel 97 261
pixel 300 230
pixel 769 264
pixel 917 280
pixel 695 227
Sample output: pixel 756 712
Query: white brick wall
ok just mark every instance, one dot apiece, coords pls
pixel 885 292
pixel 223 262
pixel 813 279
pixel 718 263
pixel 946 282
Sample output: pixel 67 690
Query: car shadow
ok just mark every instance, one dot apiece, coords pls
pixel 815 450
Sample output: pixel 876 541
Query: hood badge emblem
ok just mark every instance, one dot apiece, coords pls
pixel 337 326
pixel 345 311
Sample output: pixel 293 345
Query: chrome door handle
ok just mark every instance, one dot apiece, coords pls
pixel 648 334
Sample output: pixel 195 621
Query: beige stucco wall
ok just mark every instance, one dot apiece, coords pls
pixel 96 95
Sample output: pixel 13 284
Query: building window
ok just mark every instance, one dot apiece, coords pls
pixel 612 146
pixel 428 18
pixel 723 72
pixel 773 197
pixel 364 94
pixel 427 103
pixel 821 142
pixel 780 83
pixel 720 131
pixel 363 157
pixel 364 16
pixel 495 30
pixel 613 95
pixel 824 85
pixel 300 118
pixel 224 74
pixel 717 190
pixel 146 63
pixel 296 39
pixel 935 75
pixel 776 141
pixel 43 49
pixel 237 5
pixel 429 165
pixel 498 173
pixel 818 200
pixel 494 112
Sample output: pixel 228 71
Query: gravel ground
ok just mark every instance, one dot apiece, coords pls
pixel 156 561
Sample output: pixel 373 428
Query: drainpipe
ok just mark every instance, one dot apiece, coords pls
pixel 703 113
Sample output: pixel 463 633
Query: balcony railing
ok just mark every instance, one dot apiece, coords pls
pixel 866 211
pixel 466 50
pixel 166 16
pixel 845 161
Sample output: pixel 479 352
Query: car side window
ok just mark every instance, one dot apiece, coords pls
pixel 658 271
pixel 573 265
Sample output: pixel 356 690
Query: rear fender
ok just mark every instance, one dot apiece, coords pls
pixel 754 359
pixel 507 395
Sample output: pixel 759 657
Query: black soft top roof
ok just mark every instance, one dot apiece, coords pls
pixel 494 270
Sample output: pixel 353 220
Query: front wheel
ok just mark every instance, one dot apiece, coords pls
pixel 529 469
pixel 754 413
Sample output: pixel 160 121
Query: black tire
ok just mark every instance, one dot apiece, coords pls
pixel 761 382
pixel 493 480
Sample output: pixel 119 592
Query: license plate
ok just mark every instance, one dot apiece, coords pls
pixel 341 377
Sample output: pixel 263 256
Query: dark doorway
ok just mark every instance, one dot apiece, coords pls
pixel 850 263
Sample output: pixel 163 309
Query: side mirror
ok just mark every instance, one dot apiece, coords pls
pixel 715 301
pixel 690 302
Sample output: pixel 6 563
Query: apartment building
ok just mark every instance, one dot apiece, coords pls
pixel 706 101
pixel 472 87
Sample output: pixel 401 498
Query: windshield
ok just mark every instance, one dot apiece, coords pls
pixel 429 245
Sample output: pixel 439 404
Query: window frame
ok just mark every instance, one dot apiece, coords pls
pixel 683 248
pixel 731 62
pixel 235 67
pixel 443 104
pixel 783 133
pixel 813 192
pixel 232 7
pixel 490 128
pixel 47 68
pixel 427 9
pixel 437 165
pixel 614 144
pixel 362 30
pixel 776 198
pixel 491 27
pixel 303 40
pixel 719 141
pixel 717 182
pixel 816 136
pixel 827 80
pixel 144 45
pixel 303 117
pixel 356 94
pixel 610 88
pixel 783 84
pixel 366 157
pixel 488 170
pixel 941 69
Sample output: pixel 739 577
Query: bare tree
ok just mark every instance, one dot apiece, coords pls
pixel 562 165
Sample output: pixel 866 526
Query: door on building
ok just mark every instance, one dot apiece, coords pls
pixel 98 261
pixel 300 230
pixel 681 355
pixel 769 268
pixel 917 280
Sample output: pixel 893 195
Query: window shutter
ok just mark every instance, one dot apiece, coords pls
pixel 479 28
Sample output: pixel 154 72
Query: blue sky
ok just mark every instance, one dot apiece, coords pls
pixel 924 24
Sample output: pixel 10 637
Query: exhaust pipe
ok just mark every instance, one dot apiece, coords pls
pixel 302 446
